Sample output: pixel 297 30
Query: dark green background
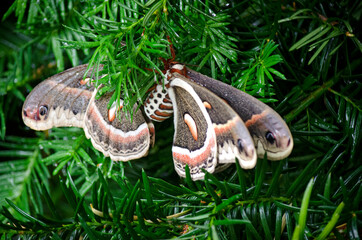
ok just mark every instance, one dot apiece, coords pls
pixel 49 179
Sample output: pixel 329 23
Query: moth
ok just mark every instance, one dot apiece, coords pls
pixel 214 122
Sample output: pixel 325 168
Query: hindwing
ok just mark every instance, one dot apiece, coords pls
pixel 233 138
pixel 118 137
pixel 194 141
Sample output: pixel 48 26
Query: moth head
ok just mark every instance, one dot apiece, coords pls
pixel 273 136
pixel 178 68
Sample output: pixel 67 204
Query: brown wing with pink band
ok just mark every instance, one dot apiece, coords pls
pixel 232 136
pixel 60 100
pixel 67 99
pixel 194 142
pixel 267 128
pixel 118 136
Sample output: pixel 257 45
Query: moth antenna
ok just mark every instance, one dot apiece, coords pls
pixel 173 54
pixel 168 62
pixel 151 70
pixel 165 62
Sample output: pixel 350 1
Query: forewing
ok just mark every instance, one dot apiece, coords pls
pixel 60 100
pixel 267 128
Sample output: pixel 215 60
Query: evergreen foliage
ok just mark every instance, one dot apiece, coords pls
pixel 302 58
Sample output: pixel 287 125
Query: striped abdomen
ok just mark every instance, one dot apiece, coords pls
pixel 158 105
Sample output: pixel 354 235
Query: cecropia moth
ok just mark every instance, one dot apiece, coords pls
pixel 214 122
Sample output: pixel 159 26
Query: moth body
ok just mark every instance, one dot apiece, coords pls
pixel 158 105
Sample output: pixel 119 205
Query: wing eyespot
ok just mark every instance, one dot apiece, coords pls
pixel 43 110
pixel 240 145
pixel 270 137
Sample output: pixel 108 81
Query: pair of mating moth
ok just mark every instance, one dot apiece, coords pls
pixel 214 122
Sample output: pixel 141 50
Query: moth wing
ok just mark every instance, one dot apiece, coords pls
pixel 64 96
pixel 118 137
pixel 194 142
pixel 269 131
pixel 232 136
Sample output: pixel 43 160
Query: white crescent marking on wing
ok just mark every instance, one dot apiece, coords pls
pixel 210 134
